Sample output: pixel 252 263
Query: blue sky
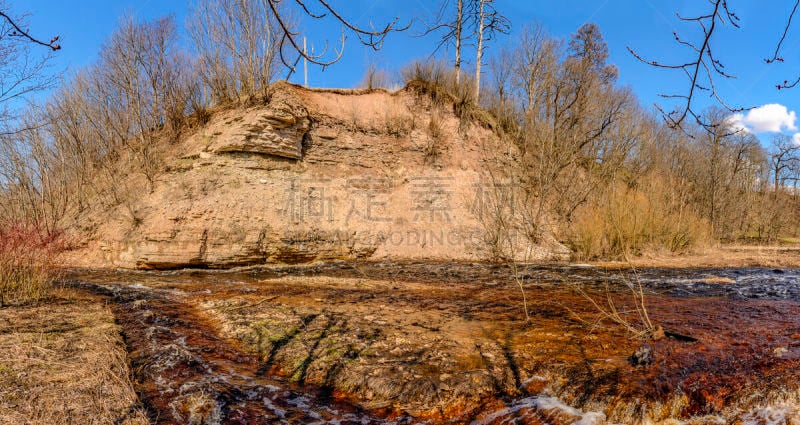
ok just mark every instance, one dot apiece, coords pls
pixel 645 25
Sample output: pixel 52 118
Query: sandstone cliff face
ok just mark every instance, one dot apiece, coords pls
pixel 310 176
pixel 276 130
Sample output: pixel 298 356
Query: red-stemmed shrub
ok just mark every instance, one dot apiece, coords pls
pixel 28 262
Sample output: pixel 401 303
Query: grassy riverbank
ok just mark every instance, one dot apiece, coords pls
pixel 64 362
pixel 787 255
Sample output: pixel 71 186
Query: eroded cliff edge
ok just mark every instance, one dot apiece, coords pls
pixel 312 175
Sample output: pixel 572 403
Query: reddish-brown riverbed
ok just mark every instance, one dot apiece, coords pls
pixel 411 342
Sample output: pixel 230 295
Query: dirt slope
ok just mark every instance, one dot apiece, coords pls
pixel 309 175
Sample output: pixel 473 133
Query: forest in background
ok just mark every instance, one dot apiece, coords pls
pixel 605 175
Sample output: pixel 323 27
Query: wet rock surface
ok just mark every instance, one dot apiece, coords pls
pixel 448 343
pixel 189 375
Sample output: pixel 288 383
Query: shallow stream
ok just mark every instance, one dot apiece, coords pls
pixel 190 366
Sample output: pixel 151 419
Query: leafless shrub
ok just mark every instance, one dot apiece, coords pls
pixel 436 80
pixel 28 263
pixel 634 221
pixel 375 78
pixel 634 321
pixel 106 124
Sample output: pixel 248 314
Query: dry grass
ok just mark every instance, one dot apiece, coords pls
pixel 722 256
pixel 375 78
pixel 433 148
pixel 438 81
pixel 65 363
pixel 399 122
pixel 279 85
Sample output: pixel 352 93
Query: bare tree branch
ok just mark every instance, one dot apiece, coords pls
pixel 21 71
pixel 373 38
pixel 775 56
pixel 700 71
pixel 19 32
pixel 705 67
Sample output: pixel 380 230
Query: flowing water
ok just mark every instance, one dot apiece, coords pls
pixel 187 374
pixel 739 364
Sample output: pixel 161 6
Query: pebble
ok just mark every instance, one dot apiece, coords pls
pixel 780 351
pixel 642 357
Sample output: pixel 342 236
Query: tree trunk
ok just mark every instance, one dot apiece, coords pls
pixel 459 27
pixel 480 50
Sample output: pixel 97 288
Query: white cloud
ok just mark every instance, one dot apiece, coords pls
pixel 772 117
pixel 796 139
pixel 736 122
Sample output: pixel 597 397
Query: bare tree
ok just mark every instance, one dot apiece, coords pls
pixel 33 193
pixel 481 5
pixel 575 128
pixel 24 176
pixel 453 29
pixel 716 153
pixel 459 29
pixel 471 20
pixel 537 58
pixel 138 71
pixel 237 45
pixel 489 23
pixel 784 161
pixel 501 66
pixel 107 123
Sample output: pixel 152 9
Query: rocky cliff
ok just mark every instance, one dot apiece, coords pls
pixel 309 175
